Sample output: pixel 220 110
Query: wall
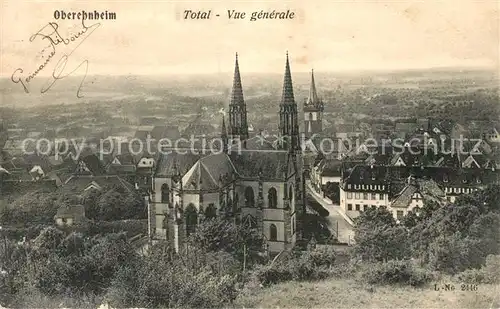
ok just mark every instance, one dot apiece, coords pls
pixel 344 201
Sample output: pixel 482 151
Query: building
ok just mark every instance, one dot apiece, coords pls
pixel 313 111
pixel 69 215
pixel 364 186
pixel 260 184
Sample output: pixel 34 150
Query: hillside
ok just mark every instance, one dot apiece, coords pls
pixel 341 293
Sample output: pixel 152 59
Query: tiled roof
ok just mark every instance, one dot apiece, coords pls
pixel 428 189
pixel 81 182
pixel 169 164
pixel 366 175
pixel 331 167
pixel 249 164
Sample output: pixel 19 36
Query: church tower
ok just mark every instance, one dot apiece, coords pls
pixel 313 111
pixel 238 126
pixel 289 126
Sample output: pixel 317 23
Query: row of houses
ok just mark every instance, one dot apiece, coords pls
pixel 402 177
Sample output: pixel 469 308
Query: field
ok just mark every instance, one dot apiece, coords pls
pixel 340 293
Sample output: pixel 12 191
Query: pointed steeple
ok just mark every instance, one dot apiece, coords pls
pixel 287 97
pixel 238 126
pixel 237 92
pixel 289 128
pixel 313 95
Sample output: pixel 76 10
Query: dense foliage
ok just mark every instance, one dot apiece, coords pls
pixel 448 238
pixel 40 206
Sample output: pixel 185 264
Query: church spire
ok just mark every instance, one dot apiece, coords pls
pixel 287 95
pixel 238 126
pixel 237 92
pixel 313 95
pixel 288 127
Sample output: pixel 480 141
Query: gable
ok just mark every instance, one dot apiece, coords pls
pixel 82 167
pixel 399 162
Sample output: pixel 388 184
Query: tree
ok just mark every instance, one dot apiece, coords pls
pixel 378 237
pixel 219 234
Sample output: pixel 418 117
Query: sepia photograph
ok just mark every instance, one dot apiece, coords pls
pixel 249 154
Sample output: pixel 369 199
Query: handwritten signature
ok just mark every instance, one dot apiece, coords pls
pixel 50 33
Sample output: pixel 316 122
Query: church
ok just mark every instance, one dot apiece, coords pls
pixel 255 181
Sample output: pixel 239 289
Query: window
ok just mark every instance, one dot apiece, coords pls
pixel 357 207
pixel 357 195
pixel 373 206
pixel 191 219
pixel 374 196
pixel 273 233
pixel 290 193
pixel 272 198
pixel 365 196
pixel 365 207
pixel 165 193
pixel 349 195
pixel 381 196
pixel 399 214
pixel 249 197
pixel 310 116
pixel 348 186
pixel 349 206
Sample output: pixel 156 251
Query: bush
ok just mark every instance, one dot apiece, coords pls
pixel 130 227
pixel 299 266
pixel 322 256
pixel 488 274
pixel 268 275
pixel 173 283
pixel 396 272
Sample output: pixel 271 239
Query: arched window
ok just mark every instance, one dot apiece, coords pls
pixel 310 116
pixel 272 198
pixel 249 197
pixel 165 193
pixel 210 212
pixel 191 216
pixel 290 193
pixel 273 233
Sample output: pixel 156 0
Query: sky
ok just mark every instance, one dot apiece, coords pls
pixel 151 37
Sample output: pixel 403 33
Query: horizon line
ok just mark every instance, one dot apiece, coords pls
pixel 341 71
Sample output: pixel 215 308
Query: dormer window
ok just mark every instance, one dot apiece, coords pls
pixel 445 178
pixel 464 180
pixel 478 180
